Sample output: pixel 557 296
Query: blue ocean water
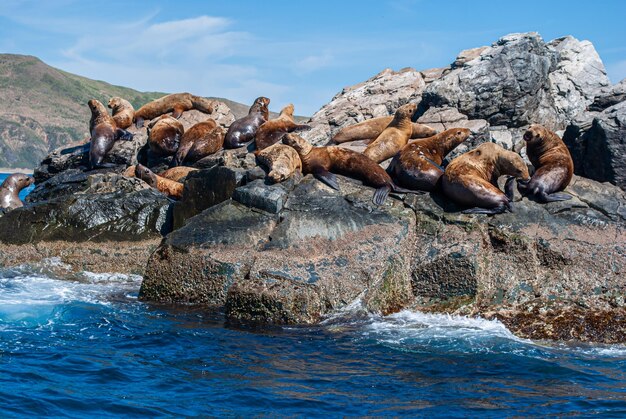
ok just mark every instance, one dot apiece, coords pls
pixel 82 345
pixel 24 191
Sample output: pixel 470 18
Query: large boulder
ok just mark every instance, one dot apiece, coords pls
pixel 295 263
pixel 521 80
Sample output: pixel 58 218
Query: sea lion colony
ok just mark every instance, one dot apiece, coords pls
pixel 417 151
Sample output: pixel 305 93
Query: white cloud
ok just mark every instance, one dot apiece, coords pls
pixel 314 62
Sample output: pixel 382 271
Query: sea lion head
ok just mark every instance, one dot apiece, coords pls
pixel 287 110
pixel 97 108
pixel 302 146
pixel 261 100
pixel 115 102
pixel 510 163
pixel 145 174
pixel 534 134
pixel 460 134
pixel 17 182
pixel 406 111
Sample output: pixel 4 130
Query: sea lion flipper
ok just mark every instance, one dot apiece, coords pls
pixel 178 112
pixel 488 211
pixel 139 122
pixel 381 195
pixel 122 134
pixel 554 197
pixel 328 178
pixel 509 186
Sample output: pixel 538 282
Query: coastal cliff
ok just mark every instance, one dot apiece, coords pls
pixel 298 252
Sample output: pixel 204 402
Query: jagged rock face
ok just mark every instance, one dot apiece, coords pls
pixel 95 207
pixel 521 80
pixel 598 144
pixel 609 96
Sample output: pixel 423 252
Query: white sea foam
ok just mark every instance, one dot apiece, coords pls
pixel 32 298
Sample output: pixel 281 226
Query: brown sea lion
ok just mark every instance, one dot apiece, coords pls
pixel 322 161
pixel 164 135
pixel 394 137
pixel 167 187
pixel 244 129
pixel 553 165
pixel 418 164
pixel 177 103
pixel 176 174
pixel 104 133
pixel 10 189
pixel 199 141
pixel 472 179
pixel 273 130
pixel 281 160
pixel 123 112
pixel 372 128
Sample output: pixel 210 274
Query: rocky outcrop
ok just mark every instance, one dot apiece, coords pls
pixel 521 80
pixel 597 142
pixel 290 254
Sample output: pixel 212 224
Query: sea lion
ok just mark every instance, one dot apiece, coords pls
pixel 244 129
pixel 166 186
pixel 10 189
pixel 201 140
pixel 321 161
pixel 176 174
pixel 418 164
pixel 394 137
pixel 553 165
pixel 104 133
pixel 372 128
pixel 273 130
pixel 472 179
pixel 123 112
pixel 177 103
pixel 281 160
pixel 164 135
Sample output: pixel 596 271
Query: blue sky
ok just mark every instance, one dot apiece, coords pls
pixel 298 52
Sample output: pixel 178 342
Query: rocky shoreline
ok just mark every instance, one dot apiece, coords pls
pixel 299 251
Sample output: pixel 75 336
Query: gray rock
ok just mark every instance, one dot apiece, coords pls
pixel 521 80
pixel 597 145
pixel 609 96
pixel 257 194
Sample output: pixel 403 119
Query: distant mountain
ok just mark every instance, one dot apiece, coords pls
pixel 42 108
